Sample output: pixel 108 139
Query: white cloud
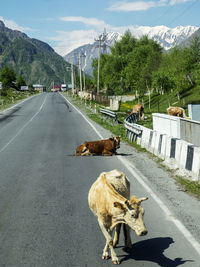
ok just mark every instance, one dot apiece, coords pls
pixel 136 5
pixel 86 21
pixel 143 5
pixel 68 41
pixel 176 2
pixel 13 25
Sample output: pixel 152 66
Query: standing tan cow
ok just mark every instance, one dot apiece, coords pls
pixel 176 111
pixel 106 147
pixel 139 109
pixel 108 199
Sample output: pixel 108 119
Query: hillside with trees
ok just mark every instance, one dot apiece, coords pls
pixel 141 67
pixel 34 60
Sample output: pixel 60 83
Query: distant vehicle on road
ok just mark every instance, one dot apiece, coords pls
pixel 63 87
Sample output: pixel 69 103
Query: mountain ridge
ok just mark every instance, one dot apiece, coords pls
pixel 35 60
pixel 165 36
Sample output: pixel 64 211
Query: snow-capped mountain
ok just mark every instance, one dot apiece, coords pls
pixel 166 37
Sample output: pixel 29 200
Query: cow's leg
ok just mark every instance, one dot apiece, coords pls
pixel 107 153
pixel 116 236
pixel 127 237
pixel 109 244
pixel 86 153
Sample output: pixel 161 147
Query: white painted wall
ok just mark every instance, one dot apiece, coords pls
pixel 185 129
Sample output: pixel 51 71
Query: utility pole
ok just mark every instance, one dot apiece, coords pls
pixel 72 74
pixel 80 71
pixel 72 78
pixel 83 55
pixel 102 38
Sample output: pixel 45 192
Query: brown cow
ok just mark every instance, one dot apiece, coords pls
pixel 176 111
pixel 106 147
pixel 139 109
pixel 107 201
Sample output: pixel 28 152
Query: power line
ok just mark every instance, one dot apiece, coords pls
pixel 184 11
pixel 163 14
pixel 170 9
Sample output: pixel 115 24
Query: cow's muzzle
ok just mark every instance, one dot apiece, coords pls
pixel 144 232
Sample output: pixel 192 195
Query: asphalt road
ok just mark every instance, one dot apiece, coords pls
pixel 44 215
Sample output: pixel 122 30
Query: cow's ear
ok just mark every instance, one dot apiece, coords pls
pixel 119 205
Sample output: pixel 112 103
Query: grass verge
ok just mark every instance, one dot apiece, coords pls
pixel 13 97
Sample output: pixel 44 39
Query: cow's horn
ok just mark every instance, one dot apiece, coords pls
pixel 142 199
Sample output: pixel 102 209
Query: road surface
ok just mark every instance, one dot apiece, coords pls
pixel 44 215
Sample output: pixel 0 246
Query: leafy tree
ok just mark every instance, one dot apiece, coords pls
pixel 143 60
pixel 7 77
pixel 112 75
pixel 20 82
pixel 194 50
pixel 163 81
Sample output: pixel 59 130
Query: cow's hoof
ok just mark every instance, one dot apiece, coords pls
pixel 116 261
pixel 105 256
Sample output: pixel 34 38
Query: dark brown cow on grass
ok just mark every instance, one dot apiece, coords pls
pixel 139 109
pixel 176 111
pixel 106 147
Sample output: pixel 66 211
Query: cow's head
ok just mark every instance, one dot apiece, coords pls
pixel 133 214
pixel 116 141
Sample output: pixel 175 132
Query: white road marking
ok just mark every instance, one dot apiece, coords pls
pixel 141 179
pixel 25 125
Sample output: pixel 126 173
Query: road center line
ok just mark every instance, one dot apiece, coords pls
pixel 141 179
pixel 25 125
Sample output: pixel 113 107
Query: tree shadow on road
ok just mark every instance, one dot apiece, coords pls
pixel 152 250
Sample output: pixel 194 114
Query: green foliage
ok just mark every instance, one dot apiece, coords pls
pixel 141 66
pixel 34 60
pixel 191 187
pixel 129 66
pixel 20 82
pixel 7 77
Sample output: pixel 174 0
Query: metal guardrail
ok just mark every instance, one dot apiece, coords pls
pixel 133 118
pixel 133 127
pixel 133 130
pixel 109 113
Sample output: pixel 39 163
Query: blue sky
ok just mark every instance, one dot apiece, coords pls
pixel 67 24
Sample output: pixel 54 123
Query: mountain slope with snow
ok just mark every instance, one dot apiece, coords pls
pixel 166 37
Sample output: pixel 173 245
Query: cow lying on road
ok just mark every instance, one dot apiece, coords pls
pixel 106 147
pixel 176 111
pixel 108 199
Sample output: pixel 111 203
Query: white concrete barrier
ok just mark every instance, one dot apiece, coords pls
pixel 177 154
pixel 189 162
pixel 160 145
pixel 173 152
pixel 146 138
pixel 182 128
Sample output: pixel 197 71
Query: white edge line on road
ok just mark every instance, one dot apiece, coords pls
pixel 25 125
pixel 141 179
